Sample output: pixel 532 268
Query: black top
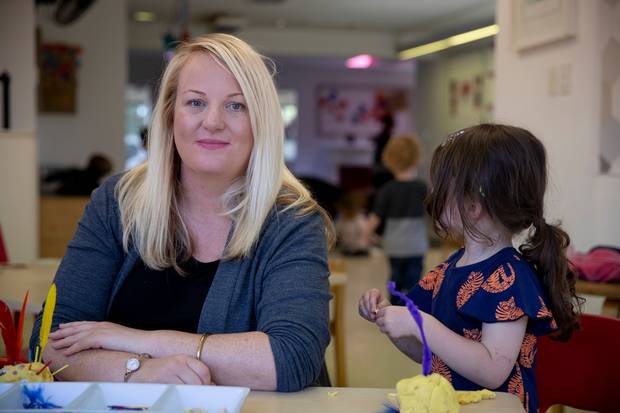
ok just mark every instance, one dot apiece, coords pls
pixel 401 199
pixel 163 300
pixel 74 181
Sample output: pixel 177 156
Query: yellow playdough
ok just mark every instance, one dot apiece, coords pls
pixel 427 394
pixel 474 396
pixel 25 371
pixel 435 394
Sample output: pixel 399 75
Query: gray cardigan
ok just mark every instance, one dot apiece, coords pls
pixel 281 290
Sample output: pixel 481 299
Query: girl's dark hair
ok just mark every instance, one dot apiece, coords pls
pixel 505 169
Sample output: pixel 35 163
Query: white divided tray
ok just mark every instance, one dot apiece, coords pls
pixel 106 397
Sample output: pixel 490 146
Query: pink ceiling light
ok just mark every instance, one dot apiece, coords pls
pixel 361 61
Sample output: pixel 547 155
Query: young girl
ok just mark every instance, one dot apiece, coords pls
pixel 485 306
pixel 351 224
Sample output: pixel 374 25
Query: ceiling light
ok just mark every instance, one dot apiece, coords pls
pixel 451 41
pixel 144 16
pixel 361 61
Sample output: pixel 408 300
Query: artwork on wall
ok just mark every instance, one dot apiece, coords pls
pixel 353 112
pixel 472 95
pixel 58 64
pixel 538 22
pixel 609 155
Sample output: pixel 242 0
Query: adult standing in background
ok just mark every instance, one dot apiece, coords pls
pixel 381 174
pixel 208 263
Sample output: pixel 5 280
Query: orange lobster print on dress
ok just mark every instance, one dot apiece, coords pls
pixel 473 334
pixel 432 280
pixel 508 310
pixel 515 385
pixel 469 288
pixel 527 354
pixel 438 366
pixel 545 313
pixel 499 281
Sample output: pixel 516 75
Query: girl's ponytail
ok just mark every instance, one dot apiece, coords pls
pixel 546 250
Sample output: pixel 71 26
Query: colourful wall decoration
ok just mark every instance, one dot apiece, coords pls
pixel 58 64
pixel 472 94
pixel 350 111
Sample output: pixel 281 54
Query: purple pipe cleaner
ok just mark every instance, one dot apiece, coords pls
pixel 415 313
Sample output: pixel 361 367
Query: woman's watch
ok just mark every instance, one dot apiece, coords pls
pixel 133 364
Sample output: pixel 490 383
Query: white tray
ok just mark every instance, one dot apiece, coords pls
pixel 98 397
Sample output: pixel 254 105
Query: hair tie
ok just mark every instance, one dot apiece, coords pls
pixel 539 223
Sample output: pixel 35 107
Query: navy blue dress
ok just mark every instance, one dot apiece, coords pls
pixel 504 287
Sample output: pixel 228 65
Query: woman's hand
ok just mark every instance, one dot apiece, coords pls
pixel 179 369
pixel 370 303
pixel 71 338
pixel 396 322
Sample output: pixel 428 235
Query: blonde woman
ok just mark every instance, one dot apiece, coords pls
pixel 208 263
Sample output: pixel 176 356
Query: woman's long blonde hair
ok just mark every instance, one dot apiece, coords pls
pixel 148 194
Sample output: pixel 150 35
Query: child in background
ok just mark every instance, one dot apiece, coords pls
pixel 484 308
pixel 400 205
pixel 351 224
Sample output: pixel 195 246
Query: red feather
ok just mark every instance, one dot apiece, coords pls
pixel 20 328
pixel 8 332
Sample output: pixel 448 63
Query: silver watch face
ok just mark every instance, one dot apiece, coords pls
pixel 133 364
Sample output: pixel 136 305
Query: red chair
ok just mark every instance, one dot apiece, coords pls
pixel 583 372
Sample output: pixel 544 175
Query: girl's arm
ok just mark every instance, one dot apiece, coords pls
pixel 410 347
pixel 369 305
pixel 487 362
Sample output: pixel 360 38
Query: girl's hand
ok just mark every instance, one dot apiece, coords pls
pixel 179 369
pixel 71 338
pixel 370 303
pixel 396 322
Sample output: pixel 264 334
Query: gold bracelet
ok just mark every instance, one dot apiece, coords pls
pixel 201 344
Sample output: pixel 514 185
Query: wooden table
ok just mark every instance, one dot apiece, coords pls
pixel 354 400
pixel 337 283
pixel 15 280
pixel 611 292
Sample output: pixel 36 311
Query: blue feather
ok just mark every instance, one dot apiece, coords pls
pixel 389 408
pixel 36 399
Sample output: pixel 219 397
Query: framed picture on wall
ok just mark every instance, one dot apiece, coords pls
pixel 58 67
pixel 355 112
pixel 538 22
pixel 346 111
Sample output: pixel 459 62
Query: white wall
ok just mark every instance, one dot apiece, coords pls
pixel 567 121
pixel 17 47
pixel 19 216
pixel 435 119
pixel 98 124
pixel 318 156
pixel 19 203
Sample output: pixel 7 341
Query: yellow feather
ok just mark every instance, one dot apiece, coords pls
pixel 48 314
